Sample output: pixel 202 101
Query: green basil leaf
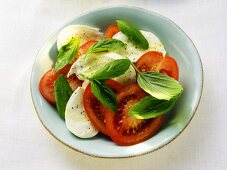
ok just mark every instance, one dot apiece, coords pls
pixel 159 85
pixel 104 94
pixel 67 53
pixel 133 34
pixel 62 93
pixel 106 46
pixel 112 69
pixel 150 107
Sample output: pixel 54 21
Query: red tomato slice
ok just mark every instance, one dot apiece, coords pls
pixel 46 84
pixel 125 129
pixel 111 30
pixel 149 61
pixel 154 61
pixel 168 66
pixel 95 109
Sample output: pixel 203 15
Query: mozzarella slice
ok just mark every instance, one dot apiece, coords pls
pixel 87 65
pixel 133 52
pixel 76 118
pixel 85 33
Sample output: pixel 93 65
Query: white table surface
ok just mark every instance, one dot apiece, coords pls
pixel 24 142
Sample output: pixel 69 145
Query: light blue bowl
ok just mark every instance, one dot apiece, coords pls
pixel 176 42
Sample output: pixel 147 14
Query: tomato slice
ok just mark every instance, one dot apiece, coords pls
pixel 46 84
pixel 169 66
pixel 111 30
pixel 149 61
pixel 95 109
pixel 125 129
pixel 154 61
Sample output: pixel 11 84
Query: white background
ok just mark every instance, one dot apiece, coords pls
pixel 25 144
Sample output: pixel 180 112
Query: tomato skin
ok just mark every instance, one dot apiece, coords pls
pixel 169 66
pixel 125 129
pixel 95 109
pixel 149 61
pixel 154 61
pixel 46 83
pixel 111 30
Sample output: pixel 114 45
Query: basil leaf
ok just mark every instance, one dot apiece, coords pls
pixel 150 107
pixel 104 94
pixel 62 93
pixel 67 53
pixel 133 34
pixel 112 69
pixel 106 46
pixel 159 85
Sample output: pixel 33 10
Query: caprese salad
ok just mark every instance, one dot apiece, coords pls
pixel 120 83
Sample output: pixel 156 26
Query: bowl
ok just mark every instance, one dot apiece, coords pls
pixel 178 45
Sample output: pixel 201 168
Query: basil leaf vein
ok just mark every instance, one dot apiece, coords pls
pixel 67 53
pixel 104 94
pixel 112 69
pixel 133 34
pixel 159 85
pixel 62 93
pixel 106 45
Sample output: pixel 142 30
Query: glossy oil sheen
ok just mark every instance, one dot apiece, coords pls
pixel 178 45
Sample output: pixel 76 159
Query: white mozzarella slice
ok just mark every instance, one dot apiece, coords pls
pixel 89 64
pixel 133 52
pixel 85 33
pixel 76 118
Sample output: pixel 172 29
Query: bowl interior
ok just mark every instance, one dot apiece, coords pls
pixel 176 43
